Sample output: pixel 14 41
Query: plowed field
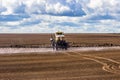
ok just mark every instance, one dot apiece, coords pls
pixel 66 65
pixel 75 40
pixel 83 64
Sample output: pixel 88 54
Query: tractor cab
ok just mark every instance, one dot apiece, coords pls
pixel 59 36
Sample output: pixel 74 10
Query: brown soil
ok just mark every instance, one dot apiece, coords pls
pixel 76 40
pixel 92 65
pixel 70 65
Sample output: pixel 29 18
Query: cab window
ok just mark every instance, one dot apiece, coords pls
pixel 60 33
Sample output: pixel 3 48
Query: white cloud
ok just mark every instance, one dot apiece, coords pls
pixel 53 23
pixel 53 15
pixel 9 5
pixel 103 6
pixel 69 1
pixel 95 4
pixel 13 23
pixel 56 8
pixel 40 7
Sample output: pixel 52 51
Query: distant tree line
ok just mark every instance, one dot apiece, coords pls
pixel 92 44
pixel 71 44
pixel 26 46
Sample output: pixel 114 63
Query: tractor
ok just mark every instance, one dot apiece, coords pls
pixel 58 41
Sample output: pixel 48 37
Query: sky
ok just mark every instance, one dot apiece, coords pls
pixel 70 16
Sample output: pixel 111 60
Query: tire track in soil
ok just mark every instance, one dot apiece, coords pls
pixel 109 65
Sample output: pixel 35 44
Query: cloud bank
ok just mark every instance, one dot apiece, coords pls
pixel 47 16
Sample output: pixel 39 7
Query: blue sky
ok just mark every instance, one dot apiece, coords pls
pixel 71 16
